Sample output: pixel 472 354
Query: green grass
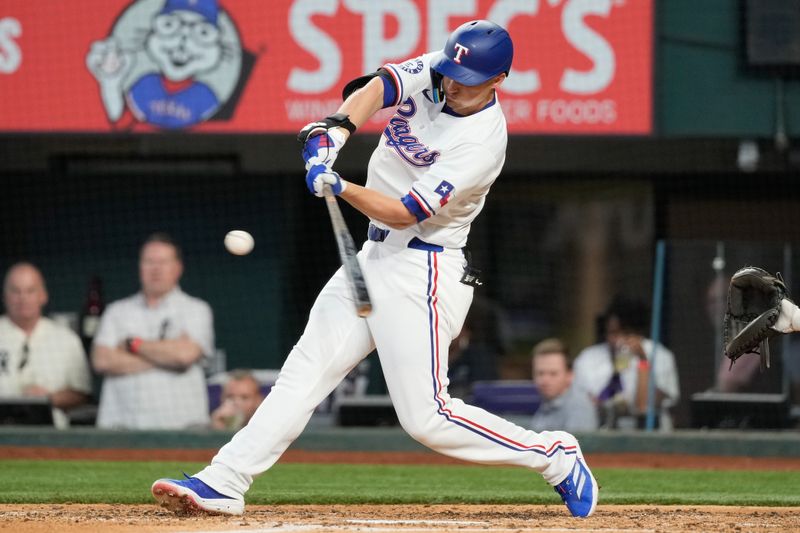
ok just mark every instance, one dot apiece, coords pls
pixel 129 482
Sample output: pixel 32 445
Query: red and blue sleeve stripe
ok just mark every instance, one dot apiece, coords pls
pixel 417 205
pixel 398 82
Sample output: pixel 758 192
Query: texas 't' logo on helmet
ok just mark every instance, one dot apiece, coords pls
pixel 460 50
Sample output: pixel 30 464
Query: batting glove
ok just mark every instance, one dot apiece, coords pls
pixel 322 146
pixel 319 175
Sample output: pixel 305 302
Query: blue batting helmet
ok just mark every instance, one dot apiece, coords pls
pixel 476 52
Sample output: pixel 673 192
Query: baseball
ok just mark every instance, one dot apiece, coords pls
pixel 239 242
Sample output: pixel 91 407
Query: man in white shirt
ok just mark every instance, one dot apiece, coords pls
pixel 617 372
pixel 38 357
pixel 150 347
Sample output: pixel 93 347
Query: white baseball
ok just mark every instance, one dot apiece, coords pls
pixel 239 242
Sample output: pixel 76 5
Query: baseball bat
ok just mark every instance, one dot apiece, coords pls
pixel 347 254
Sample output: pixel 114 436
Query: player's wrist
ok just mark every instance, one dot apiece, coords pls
pixel 133 345
pixel 339 135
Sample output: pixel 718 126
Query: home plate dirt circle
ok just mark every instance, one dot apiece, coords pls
pixel 75 518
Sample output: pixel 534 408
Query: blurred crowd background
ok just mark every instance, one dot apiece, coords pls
pixel 636 125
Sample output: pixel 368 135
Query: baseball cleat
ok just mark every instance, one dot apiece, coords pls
pixel 192 496
pixel 579 490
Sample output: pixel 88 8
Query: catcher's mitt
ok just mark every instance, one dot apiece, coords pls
pixel 754 305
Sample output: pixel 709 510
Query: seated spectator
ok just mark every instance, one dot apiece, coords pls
pixel 38 357
pixel 564 406
pixel 616 372
pixel 241 396
pixel 150 348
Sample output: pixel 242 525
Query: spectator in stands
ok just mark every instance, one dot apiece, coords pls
pixel 150 347
pixel 564 406
pixel 38 357
pixel 616 372
pixel 241 396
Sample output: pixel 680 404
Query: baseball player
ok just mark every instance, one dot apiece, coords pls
pixel 426 182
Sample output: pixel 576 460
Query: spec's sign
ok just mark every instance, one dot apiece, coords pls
pixel 580 66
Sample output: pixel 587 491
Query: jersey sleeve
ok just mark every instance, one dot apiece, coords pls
pixel 469 167
pixel 411 77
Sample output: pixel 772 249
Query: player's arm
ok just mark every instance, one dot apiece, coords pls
pixel 378 206
pixel 363 97
pixel 363 103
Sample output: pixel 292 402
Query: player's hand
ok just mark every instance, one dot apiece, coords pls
pixel 321 145
pixel 319 175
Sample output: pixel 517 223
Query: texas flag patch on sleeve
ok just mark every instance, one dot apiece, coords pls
pixel 444 189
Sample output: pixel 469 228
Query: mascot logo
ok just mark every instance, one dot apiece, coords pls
pixel 171 63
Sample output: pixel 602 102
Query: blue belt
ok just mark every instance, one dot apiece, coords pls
pixel 374 233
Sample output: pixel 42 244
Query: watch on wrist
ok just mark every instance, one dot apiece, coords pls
pixel 132 344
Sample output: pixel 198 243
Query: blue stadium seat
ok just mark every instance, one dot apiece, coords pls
pixel 518 397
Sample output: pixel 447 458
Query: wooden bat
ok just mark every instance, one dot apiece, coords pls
pixel 347 254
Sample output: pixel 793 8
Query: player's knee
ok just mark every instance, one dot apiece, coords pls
pixel 421 429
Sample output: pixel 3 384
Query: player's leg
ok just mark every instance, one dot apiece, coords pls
pixel 413 342
pixel 334 341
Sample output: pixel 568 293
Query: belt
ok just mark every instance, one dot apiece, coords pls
pixel 374 233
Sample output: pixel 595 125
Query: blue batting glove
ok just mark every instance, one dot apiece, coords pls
pixel 322 146
pixel 319 175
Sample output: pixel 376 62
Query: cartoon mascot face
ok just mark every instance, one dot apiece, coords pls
pixel 172 63
pixel 184 39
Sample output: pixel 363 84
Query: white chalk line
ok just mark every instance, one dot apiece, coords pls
pixel 358 525
pixel 416 522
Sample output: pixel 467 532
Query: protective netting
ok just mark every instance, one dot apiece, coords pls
pixel 615 146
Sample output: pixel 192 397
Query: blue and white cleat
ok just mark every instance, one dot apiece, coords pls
pixel 192 496
pixel 579 490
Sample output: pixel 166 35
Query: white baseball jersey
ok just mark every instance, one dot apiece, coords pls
pixel 440 163
pixel 441 166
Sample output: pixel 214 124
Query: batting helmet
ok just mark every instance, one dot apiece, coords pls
pixel 475 52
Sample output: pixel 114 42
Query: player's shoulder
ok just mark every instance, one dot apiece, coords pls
pixel 485 130
pixel 413 66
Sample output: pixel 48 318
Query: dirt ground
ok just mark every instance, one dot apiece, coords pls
pixel 401 518
pixel 75 518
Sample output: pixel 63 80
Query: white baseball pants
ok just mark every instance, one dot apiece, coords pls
pixel 419 305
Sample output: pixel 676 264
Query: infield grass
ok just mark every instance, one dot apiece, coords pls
pixel 40 481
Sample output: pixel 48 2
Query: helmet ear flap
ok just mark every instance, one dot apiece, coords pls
pixel 437 88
